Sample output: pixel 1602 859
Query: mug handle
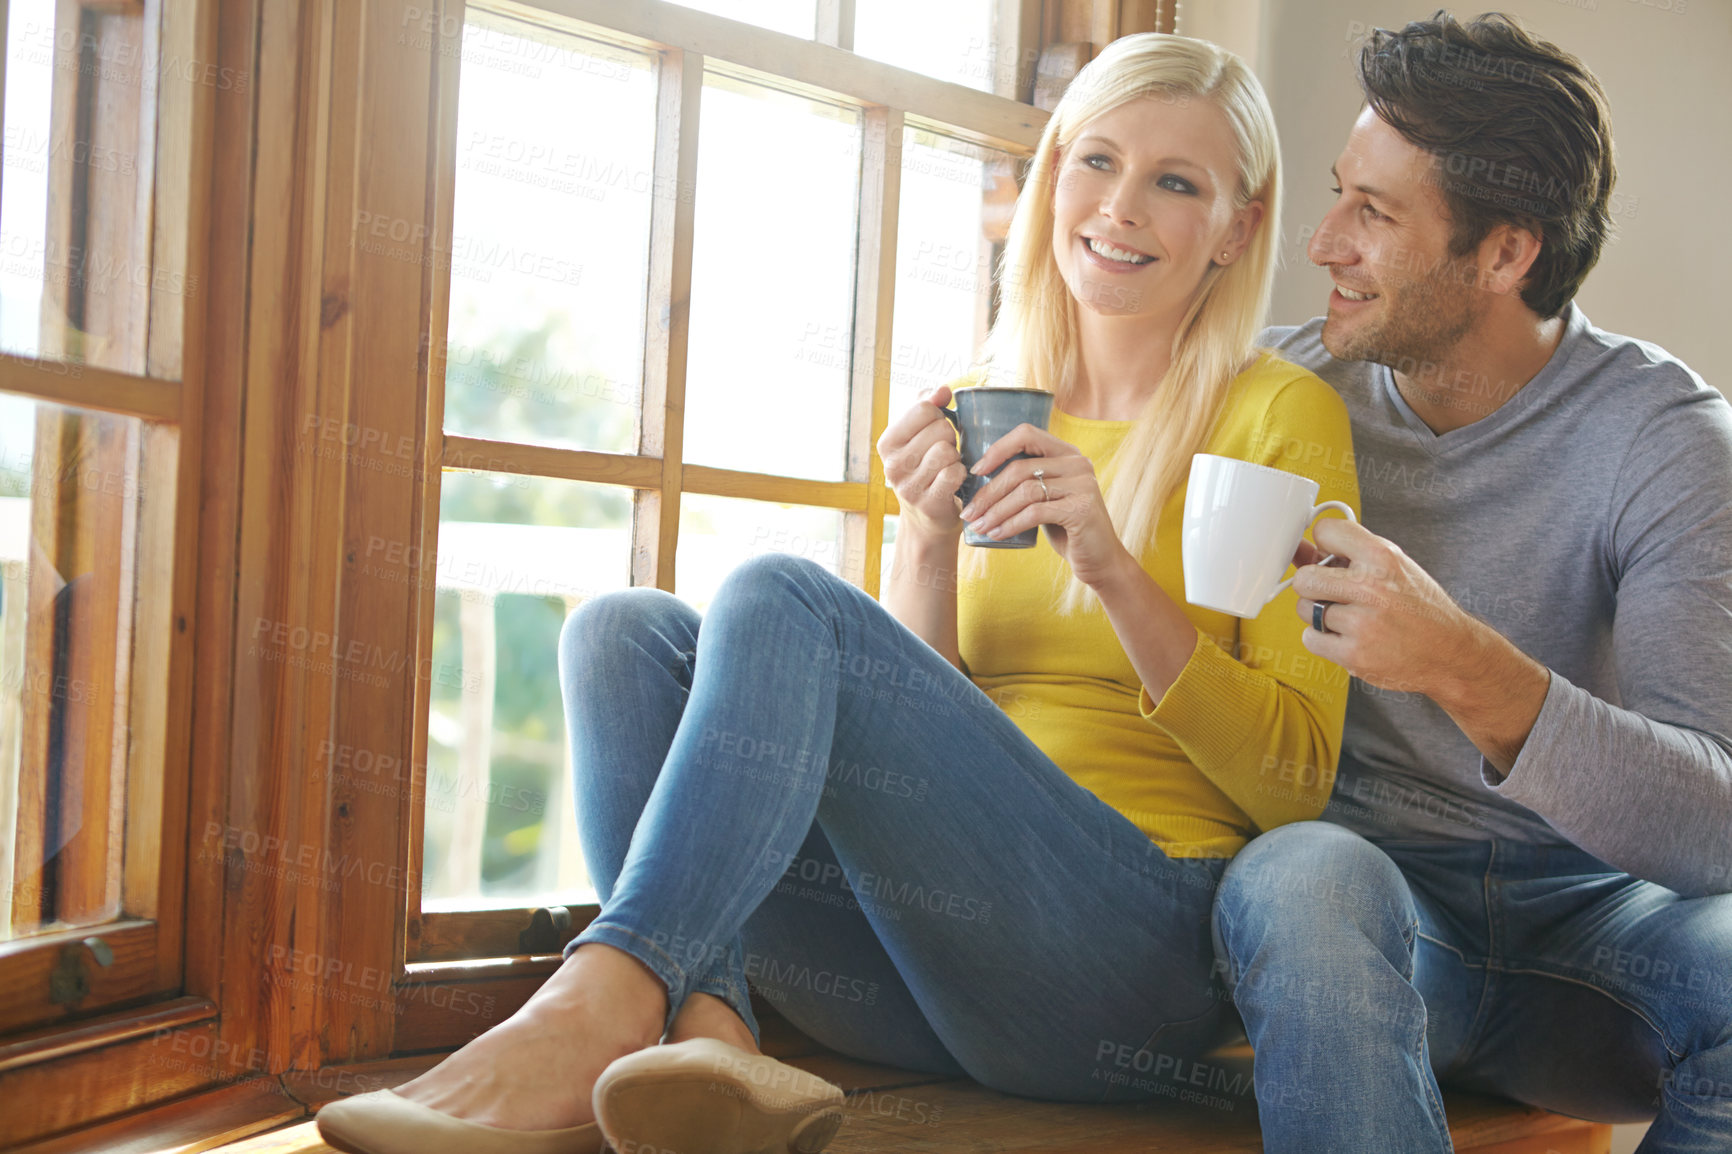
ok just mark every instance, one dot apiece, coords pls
pixel 1316 512
pixel 950 415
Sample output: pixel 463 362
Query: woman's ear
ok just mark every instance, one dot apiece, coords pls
pixel 1245 224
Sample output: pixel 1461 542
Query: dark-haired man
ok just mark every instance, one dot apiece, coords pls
pixel 1522 885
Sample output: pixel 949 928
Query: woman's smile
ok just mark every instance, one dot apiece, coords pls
pixel 1113 257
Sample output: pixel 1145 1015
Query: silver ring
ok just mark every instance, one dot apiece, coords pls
pixel 1040 475
pixel 1318 608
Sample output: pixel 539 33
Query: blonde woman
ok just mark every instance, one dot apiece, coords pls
pixel 976 829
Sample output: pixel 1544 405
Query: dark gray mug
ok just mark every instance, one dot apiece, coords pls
pixel 981 416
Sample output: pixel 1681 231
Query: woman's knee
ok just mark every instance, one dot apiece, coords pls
pixel 620 621
pixel 1303 888
pixel 771 574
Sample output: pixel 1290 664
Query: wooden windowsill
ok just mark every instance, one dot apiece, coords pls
pixel 888 1109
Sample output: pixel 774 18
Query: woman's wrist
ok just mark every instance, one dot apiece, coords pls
pixel 926 556
pixel 1119 574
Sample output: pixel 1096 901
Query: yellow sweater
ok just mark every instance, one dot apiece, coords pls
pixel 1247 737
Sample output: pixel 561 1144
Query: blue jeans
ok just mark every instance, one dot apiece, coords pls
pixel 1367 974
pixel 805 795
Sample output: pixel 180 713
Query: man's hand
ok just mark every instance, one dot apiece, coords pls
pixel 1391 625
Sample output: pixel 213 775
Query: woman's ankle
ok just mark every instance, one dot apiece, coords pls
pixel 707 1016
pixel 598 975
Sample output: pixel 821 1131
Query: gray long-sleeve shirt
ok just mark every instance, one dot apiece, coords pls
pixel 1589 520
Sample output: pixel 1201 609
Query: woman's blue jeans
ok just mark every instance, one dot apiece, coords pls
pixel 1367 974
pixel 805 795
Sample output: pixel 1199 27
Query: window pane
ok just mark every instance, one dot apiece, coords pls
pixel 76 269
pixel 550 252
pixel 795 17
pixel 772 282
pixel 717 533
pixel 887 557
pixel 24 186
pixel 953 40
pixel 69 599
pixel 516 555
pixel 944 261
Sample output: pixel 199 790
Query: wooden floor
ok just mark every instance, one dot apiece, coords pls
pixel 894 1110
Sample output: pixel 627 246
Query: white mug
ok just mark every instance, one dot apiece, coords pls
pixel 1242 523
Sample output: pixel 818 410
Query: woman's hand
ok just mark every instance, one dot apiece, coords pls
pixel 923 467
pixel 1070 503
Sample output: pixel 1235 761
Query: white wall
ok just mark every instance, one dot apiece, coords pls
pixel 1667 275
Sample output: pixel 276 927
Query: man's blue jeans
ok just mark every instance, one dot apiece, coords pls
pixel 1367 974
pixel 805 794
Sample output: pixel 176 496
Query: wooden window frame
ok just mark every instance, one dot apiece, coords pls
pixel 479 951
pixel 459 946
pixel 58 1064
pixel 300 332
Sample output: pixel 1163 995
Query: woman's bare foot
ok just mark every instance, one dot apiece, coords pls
pixel 535 1070
pixel 705 1016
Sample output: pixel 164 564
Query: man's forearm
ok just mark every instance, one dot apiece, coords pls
pixel 1493 692
pixel 1632 791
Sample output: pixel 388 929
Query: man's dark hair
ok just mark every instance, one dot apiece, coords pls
pixel 1519 131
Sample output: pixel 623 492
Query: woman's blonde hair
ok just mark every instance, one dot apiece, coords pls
pixel 1034 339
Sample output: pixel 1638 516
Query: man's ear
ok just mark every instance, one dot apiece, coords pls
pixel 1505 256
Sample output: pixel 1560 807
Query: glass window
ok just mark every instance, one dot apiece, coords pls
pixel 954 40
pixel 24 187
pixel 887 558
pixel 944 261
pixel 69 600
pixel 516 555
pixel 795 17
pixel 550 250
pixel 76 268
pixel 718 533
pixel 772 282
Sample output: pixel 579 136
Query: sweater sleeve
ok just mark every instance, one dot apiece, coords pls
pixel 1645 783
pixel 1260 715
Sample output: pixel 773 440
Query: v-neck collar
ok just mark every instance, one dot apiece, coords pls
pixel 1535 391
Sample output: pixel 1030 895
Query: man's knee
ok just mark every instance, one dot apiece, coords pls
pixel 1304 891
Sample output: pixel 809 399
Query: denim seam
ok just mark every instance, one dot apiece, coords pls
pixel 1443 945
pixel 1675 1051
pixel 1438 1115
pixel 1433 1094
pixel 1476 1028
pixel 1149 1042
pixel 1225 918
